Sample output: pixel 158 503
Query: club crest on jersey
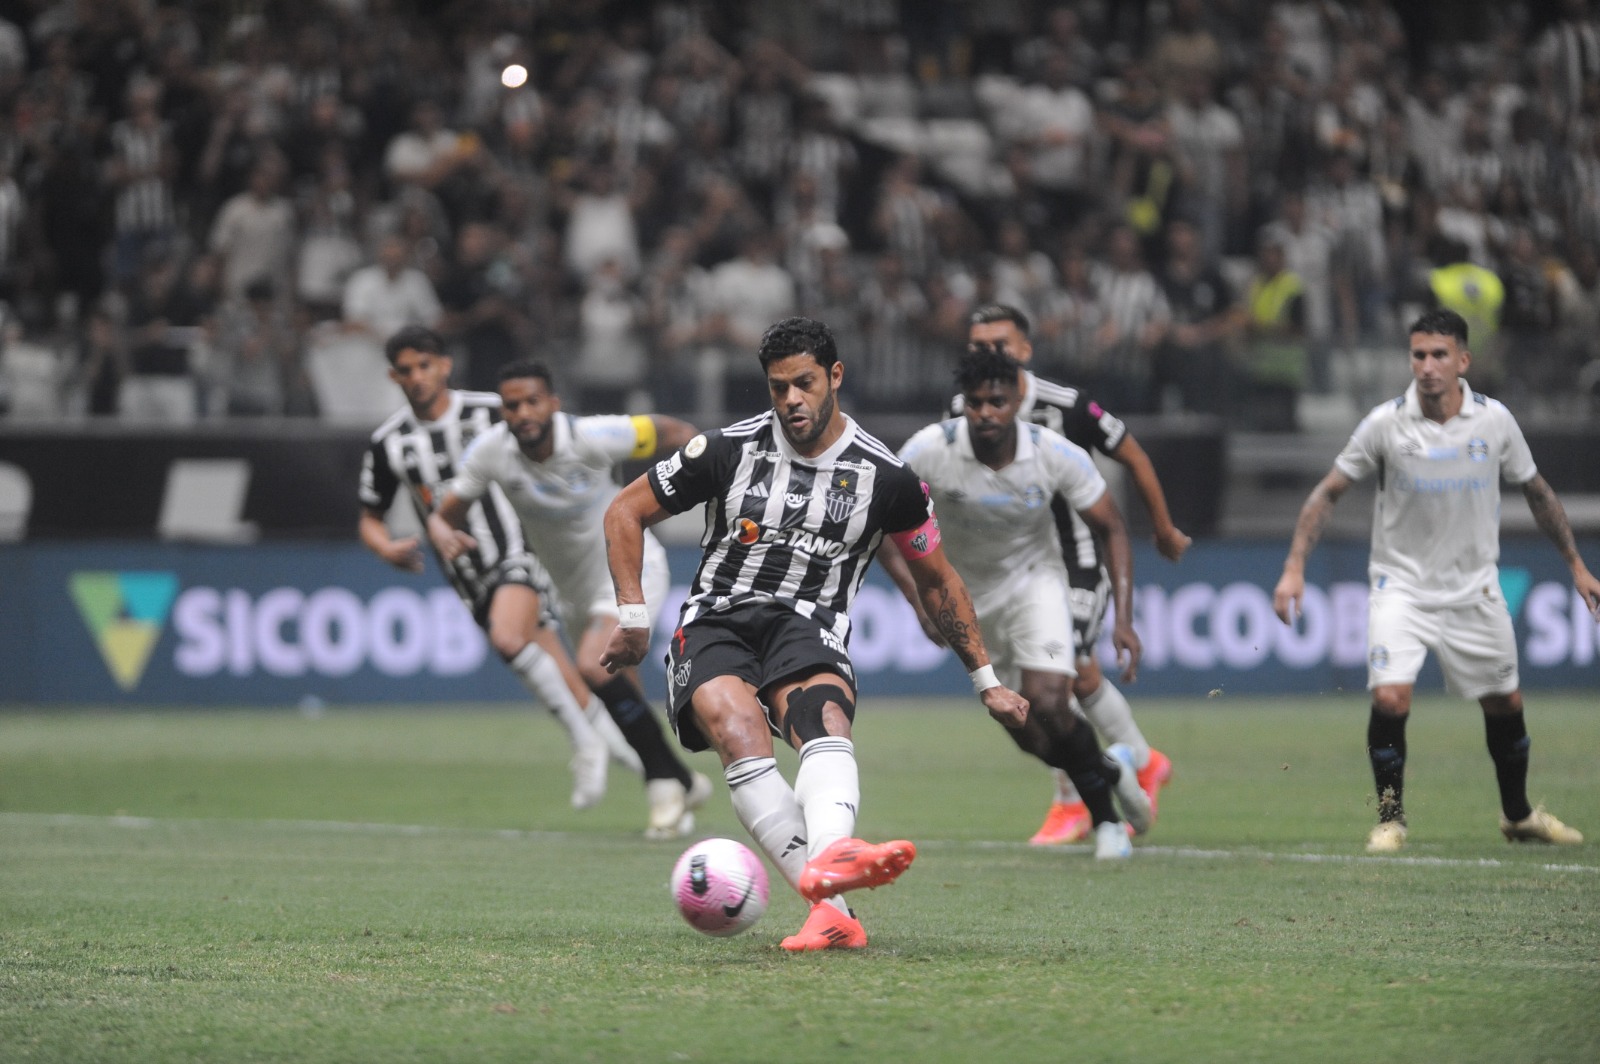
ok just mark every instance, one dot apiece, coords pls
pixel 1477 449
pixel 695 447
pixel 840 500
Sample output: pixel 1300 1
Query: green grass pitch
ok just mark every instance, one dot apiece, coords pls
pixel 408 884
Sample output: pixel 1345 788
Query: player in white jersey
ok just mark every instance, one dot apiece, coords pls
pixel 1075 415
pixel 417 449
pixel 1439 453
pixel 992 481
pixel 556 470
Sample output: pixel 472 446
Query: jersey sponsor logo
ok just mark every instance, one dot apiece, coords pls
pixel 832 642
pixel 795 499
pixel 840 498
pixel 1442 485
pixel 749 533
pixel 1477 449
pixel 1443 454
pixel 125 613
pixel 695 447
pixel 668 468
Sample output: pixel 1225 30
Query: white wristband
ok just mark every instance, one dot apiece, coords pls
pixel 983 679
pixel 633 615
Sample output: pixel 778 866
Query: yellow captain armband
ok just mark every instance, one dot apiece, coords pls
pixel 644 430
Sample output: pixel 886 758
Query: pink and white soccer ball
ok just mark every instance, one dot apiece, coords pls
pixel 720 887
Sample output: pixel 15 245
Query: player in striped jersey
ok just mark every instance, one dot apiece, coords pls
pixel 418 449
pixel 556 471
pixel 797 500
pixel 1084 422
pixel 992 481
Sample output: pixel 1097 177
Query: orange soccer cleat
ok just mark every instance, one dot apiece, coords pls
pixel 1154 776
pixel 1066 822
pixel 851 864
pixel 826 928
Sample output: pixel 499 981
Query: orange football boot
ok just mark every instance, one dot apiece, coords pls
pixel 826 928
pixel 851 864
pixel 1066 822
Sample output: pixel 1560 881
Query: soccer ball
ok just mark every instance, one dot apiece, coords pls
pixel 720 887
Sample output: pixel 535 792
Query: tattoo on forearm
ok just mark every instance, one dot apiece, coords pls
pixel 951 615
pixel 1551 516
pixel 1313 519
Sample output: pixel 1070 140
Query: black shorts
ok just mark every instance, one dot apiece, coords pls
pixel 1089 595
pixel 477 589
pixel 761 642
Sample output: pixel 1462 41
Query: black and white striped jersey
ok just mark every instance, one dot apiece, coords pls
pixel 779 526
pixel 422 457
pixel 1087 424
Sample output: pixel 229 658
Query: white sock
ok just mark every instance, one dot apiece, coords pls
pixel 1108 710
pixel 765 804
pixel 616 742
pixel 1066 793
pixel 541 675
pixel 828 788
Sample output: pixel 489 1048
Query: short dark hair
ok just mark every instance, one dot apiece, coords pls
pixel 798 336
pixel 526 367
pixel 1441 321
pixel 414 338
pixel 984 364
pixel 993 312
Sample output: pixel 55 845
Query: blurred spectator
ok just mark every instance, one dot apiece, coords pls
pixel 102 364
pixel 1577 307
pixel 1434 120
pixel 898 372
pixel 1533 365
pixel 1208 147
pixel 1021 274
pixel 1142 170
pixel 1274 366
pixel 1191 366
pixel 611 364
pixel 600 224
pixel 329 248
pixel 257 368
pixel 481 294
pixel 743 296
pixel 903 218
pixel 1136 319
pixel 380 298
pixel 254 233
pixel 1569 50
pixel 1071 322
pixel 1308 251
pixel 1185 48
pixel 140 175
pixel 1054 121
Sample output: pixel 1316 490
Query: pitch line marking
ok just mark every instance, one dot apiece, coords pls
pixel 414 830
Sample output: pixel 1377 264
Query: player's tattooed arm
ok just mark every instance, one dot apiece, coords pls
pixel 1551 517
pixel 1307 531
pixel 951 612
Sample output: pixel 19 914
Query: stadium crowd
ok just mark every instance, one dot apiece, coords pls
pixel 1209 205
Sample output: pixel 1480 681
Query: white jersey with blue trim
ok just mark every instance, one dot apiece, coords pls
pixel 562 500
pixel 996 524
pixel 1436 522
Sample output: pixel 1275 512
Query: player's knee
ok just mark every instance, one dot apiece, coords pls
pixel 1391 701
pixel 508 640
pixel 804 719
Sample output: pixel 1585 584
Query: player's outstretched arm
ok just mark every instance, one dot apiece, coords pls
pixel 447 528
pixel 633 510
pixel 1551 517
pixel 1106 521
pixel 1313 519
pixel 1170 539
pixel 671 433
pixel 401 553
pixel 945 600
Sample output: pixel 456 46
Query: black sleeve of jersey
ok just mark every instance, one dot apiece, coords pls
pixel 1092 427
pixel 378 482
pixel 906 502
pixel 701 469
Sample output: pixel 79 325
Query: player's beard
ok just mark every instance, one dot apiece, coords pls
pixel 819 423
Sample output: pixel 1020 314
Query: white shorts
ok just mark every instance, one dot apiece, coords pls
pixel 1031 630
pixel 1476 646
pixel 597 597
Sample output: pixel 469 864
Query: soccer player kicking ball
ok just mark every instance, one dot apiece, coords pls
pixel 797 501
pixel 1440 452
pixel 992 481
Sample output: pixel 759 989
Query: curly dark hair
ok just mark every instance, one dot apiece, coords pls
pixel 984 364
pixel 527 368
pixel 798 336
